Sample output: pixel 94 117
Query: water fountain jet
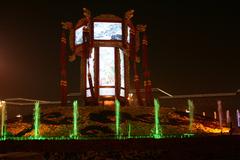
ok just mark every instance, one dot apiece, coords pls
pixel 75 120
pixel 36 119
pixel 191 114
pixel 117 117
pixel 3 112
pixel 157 129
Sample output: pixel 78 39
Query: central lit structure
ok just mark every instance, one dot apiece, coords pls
pixel 104 70
pixel 104 44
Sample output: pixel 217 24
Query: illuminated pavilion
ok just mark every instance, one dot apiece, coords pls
pixel 106 45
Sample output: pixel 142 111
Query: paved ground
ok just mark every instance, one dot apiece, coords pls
pixel 200 148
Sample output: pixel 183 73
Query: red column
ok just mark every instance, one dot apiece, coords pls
pixel 146 74
pixel 134 50
pixel 63 73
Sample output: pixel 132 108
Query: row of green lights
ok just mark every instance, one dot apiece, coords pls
pixel 97 138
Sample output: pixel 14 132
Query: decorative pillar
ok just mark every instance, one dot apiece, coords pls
pixel 128 49
pixel 146 72
pixel 127 74
pixel 135 45
pixel 117 72
pixel 63 74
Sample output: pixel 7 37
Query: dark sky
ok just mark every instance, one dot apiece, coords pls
pixel 194 46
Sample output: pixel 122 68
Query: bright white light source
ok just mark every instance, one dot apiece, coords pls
pixel 88 93
pixel 122 92
pixel 215 115
pixel 107 91
pixel 19 116
pixel 204 114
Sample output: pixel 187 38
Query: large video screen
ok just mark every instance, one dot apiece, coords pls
pixel 79 36
pixel 106 66
pixel 107 31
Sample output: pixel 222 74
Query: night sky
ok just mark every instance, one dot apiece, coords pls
pixel 194 46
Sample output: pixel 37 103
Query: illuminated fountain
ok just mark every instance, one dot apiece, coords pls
pixel 75 120
pixel 117 117
pixel 157 133
pixel 36 118
pixel 219 103
pixel 191 114
pixel 215 115
pixel 129 130
pixel 238 118
pixel 109 48
pixel 228 118
pixel 3 113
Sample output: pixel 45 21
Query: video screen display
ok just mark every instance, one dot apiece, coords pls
pixel 79 36
pixel 107 31
pixel 106 66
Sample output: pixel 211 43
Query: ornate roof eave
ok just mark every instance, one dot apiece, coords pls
pixel 128 18
pixel 85 20
pixel 81 22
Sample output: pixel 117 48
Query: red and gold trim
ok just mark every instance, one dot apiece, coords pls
pixel 63 83
pixel 146 75
pixel 63 72
pixel 134 50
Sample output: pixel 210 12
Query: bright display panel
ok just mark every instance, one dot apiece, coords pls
pixel 107 31
pixel 122 92
pixel 122 74
pixel 107 91
pixel 91 68
pixel 88 93
pixel 106 66
pixel 79 36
